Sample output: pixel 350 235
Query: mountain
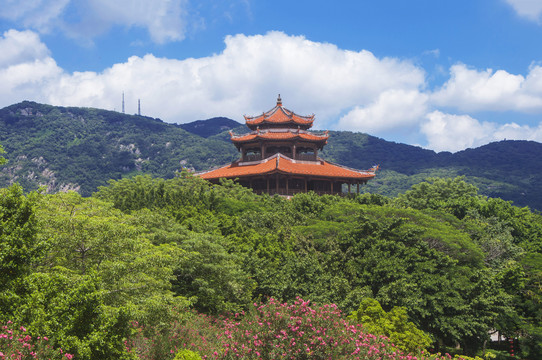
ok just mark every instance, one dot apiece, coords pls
pixel 82 148
pixel 511 169
pixel 210 127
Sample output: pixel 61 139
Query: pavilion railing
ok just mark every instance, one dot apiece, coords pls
pixel 291 192
pixel 252 157
pixel 304 157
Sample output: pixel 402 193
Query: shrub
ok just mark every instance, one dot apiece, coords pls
pixel 16 343
pixel 280 331
pixel 186 354
pixel 393 324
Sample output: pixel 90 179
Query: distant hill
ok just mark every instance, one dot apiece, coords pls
pixel 210 127
pixel 82 148
pixel 510 169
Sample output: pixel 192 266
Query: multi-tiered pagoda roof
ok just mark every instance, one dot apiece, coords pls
pixel 280 156
pixel 281 117
pixel 279 134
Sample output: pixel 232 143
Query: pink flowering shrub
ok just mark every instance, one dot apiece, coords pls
pixel 17 344
pixel 280 331
pixel 297 331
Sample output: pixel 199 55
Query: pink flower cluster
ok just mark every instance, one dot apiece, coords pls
pixel 298 331
pixel 280 331
pixel 17 344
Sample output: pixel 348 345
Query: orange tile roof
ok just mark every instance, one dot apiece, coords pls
pixel 280 115
pixel 235 170
pixel 283 135
pixel 280 164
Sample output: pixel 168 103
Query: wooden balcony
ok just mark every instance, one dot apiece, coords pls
pixel 292 192
pixel 305 157
pixel 249 158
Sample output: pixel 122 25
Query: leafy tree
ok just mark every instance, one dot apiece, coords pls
pixel 393 324
pixel 19 248
pixel 87 235
pixel 394 254
pixel 528 302
pixel 70 310
pixel 66 307
pixel 451 195
pixel 509 237
pixel 212 276
pixel 181 197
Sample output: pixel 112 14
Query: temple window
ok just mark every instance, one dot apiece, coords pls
pixel 272 150
pixel 305 154
pixel 286 150
pixel 253 154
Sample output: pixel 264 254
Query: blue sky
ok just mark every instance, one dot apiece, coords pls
pixel 445 75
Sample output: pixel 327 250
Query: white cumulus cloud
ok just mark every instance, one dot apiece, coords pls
pixel 42 15
pixel 245 78
pixel 392 109
pixel 449 132
pixel 165 20
pixel 473 90
pixel 530 9
pixel 513 131
pixel 21 46
pixel 25 67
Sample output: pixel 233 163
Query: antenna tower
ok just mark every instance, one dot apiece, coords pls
pixel 139 107
pixel 123 102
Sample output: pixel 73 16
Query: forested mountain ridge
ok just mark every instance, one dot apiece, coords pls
pixel 82 148
pixel 510 169
pixel 210 127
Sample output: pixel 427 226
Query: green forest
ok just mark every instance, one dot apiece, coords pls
pixel 153 268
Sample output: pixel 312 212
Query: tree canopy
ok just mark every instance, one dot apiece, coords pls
pixel 439 267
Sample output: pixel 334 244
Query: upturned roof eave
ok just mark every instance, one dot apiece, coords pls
pixel 277 168
pixel 261 137
pixel 305 123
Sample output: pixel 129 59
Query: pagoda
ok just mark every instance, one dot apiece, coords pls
pixel 280 156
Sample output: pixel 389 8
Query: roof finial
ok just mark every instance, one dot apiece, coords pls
pixel 279 101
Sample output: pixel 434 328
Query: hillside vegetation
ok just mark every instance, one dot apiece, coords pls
pixel 82 148
pixel 118 275
pixel 510 170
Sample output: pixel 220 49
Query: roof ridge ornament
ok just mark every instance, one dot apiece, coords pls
pixel 279 101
